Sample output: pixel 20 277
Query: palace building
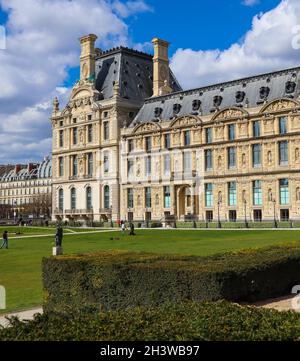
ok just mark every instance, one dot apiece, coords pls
pixel 25 189
pixel 131 144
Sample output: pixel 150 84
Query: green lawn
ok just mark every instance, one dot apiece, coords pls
pixel 20 265
pixel 15 231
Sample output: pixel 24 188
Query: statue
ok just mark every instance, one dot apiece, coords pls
pixel 57 250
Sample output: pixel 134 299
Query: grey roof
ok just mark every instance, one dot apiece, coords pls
pixel 133 70
pixel 29 171
pixel 246 92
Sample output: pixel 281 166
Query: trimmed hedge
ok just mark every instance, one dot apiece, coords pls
pixel 114 280
pixel 220 321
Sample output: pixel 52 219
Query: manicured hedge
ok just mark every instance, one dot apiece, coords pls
pixel 113 280
pixel 220 321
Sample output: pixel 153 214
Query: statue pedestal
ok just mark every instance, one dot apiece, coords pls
pixel 57 251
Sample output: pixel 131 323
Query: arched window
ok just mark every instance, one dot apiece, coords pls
pixel 61 199
pixel 106 197
pixel 73 198
pixel 89 198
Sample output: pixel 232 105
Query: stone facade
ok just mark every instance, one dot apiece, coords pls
pixel 26 186
pixel 130 144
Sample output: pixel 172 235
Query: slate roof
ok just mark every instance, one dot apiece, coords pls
pixel 26 172
pixel 132 69
pixel 246 92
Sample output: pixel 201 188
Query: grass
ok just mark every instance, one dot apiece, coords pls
pixel 16 231
pixel 20 265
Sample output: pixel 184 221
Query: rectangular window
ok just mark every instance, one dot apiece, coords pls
pixel 90 164
pixel 256 129
pixel 106 163
pixel 130 145
pixel 130 198
pixel 167 141
pixel 148 166
pixel 106 130
pixel 208 195
pixel 90 133
pixel 208 160
pixel 284 191
pixel 232 193
pixel 283 153
pixel 167 197
pixel 187 137
pixel 167 164
pixel 256 155
pixel 257 193
pixel 61 138
pixel 75 136
pixel 187 162
pixel 148 197
pixel 61 166
pixel 130 167
pixel 231 131
pixel 74 163
pixel 148 144
pixel 282 125
pixel 208 135
pixel 231 157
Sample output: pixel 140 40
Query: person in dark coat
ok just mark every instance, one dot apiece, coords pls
pixel 131 230
pixel 5 240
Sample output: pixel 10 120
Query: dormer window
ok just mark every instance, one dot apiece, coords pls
pixel 196 104
pixel 264 92
pixel 157 112
pixel 176 108
pixel 240 96
pixel 290 87
pixel 217 101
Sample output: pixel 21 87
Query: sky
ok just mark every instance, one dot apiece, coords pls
pixel 211 41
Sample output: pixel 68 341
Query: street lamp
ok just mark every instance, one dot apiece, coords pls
pixel 111 222
pixel 274 205
pixel 219 203
pixel 245 211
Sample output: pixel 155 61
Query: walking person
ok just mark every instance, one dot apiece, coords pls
pixel 123 227
pixel 5 240
pixel 132 229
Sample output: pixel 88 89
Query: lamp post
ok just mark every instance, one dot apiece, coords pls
pixel 111 222
pixel 219 203
pixel 245 212
pixel 274 205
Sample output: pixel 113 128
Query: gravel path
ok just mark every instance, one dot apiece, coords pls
pixel 24 315
pixel 279 304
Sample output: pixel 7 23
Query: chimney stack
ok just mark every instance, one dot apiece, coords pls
pixel 161 72
pixel 87 57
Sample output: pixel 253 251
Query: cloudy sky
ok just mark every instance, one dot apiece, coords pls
pixel 211 41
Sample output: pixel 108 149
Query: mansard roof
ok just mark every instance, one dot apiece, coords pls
pixel 132 69
pixel 243 93
pixel 29 171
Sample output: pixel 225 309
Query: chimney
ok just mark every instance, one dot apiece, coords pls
pixel 17 168
pixel 161 72
pixel 87 57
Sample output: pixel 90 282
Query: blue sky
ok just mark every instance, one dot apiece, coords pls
pixel 219 40
pixel 196 24
pixel 200 24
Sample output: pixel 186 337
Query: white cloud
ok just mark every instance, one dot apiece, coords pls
pixel 266 47
pixel 42 44
pixel 130 7
pixel 250 2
